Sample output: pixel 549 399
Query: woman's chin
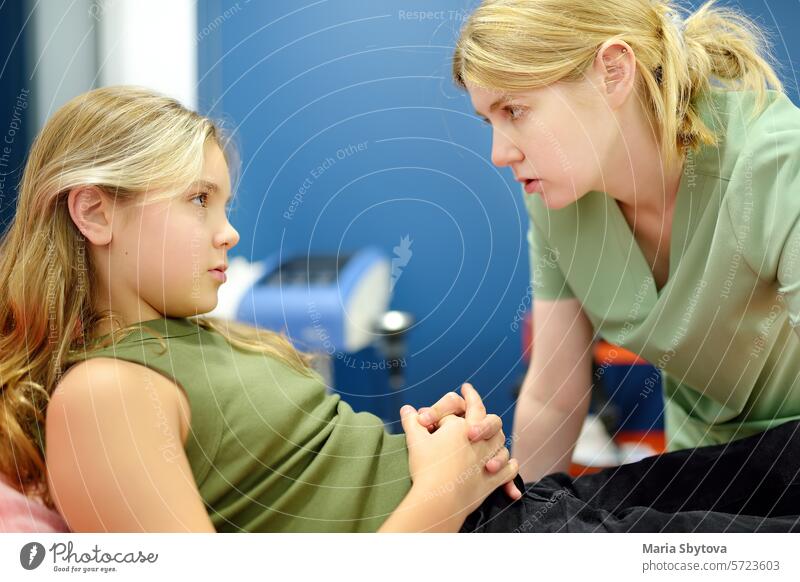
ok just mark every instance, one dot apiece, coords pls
pixel 555 202
pixel 549 200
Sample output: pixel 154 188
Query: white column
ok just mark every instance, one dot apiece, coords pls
pixel 62 53
pixel 151 43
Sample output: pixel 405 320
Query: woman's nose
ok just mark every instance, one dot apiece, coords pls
pixel 504 151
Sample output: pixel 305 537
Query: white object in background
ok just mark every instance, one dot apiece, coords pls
pixel 632 452
pixel 150 43
pixel 595 447
pixel 241 274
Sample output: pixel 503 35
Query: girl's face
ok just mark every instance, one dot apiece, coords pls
pixel 553 133
pixel 162 254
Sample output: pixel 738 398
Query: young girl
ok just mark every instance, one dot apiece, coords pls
pixel 155 419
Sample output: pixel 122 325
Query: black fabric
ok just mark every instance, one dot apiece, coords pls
pixel 746 485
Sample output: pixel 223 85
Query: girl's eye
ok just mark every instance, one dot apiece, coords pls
pixel 204 196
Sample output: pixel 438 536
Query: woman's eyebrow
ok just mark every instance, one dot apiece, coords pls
pixel 502 100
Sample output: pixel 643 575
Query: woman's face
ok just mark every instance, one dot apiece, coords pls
pixel 162 253
pixel 556 134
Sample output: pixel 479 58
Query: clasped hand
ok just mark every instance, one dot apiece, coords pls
pixel 467 423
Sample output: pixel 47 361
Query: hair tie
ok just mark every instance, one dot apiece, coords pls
pixel 679 24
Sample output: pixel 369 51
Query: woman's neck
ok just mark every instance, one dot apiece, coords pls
pixel 644 186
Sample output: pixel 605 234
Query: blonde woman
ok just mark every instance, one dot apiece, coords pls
pixel 125 411
pixel 662 179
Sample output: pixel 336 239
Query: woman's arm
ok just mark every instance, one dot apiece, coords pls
pixel 115 455
pixel 555 394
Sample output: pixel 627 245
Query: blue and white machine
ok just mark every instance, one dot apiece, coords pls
pixel 324 304
pixel 333 306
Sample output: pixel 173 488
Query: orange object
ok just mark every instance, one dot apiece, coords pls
pixel 609 354
pixel 605 354
pixel 654 439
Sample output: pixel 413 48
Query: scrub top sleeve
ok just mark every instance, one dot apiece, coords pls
pixel 785 167
pixel 547 279
pixel 789 275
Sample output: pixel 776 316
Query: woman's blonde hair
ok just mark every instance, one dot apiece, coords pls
pixel 520 45
pixel 126 141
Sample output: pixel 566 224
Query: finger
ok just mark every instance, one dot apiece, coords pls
pixel 475 409
pixel 495 442
pixel 414 432
pixel 509 471
pixel 450 403
pixel 505 479
pixel 486 428
pixel 431 427
pixel 420 411
pixel 499 461
pixel 512 490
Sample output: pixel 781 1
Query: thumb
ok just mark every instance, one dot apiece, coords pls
pixel 413 429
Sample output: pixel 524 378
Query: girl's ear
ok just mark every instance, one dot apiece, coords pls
pixel 91 211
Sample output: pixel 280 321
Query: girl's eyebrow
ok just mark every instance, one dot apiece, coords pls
pixel 210 186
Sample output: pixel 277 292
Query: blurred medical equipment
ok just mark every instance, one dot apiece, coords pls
pixel 392 327
pixel 330 305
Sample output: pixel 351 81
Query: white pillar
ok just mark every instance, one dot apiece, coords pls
pixel 151 43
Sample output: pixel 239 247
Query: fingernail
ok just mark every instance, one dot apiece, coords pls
pixel 474 431
pixel 405 409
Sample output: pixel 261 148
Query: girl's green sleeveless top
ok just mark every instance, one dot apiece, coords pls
pixel 271 450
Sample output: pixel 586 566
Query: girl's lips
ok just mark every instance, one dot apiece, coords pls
pixel 532 186
pixel 218 275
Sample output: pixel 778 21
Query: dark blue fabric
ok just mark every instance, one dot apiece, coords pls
pixel 746 485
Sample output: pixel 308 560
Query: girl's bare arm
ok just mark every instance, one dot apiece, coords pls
pixel 115 454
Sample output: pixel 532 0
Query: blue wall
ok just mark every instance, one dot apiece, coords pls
pixel 15 107
pixel 304 81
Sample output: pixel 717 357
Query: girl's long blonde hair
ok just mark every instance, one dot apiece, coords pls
pixel 125 140
pixel 520 45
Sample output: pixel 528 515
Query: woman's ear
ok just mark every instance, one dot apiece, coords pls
pixel 91 211
pixel 615 67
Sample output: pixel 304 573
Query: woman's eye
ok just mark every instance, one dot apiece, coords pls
pixel 204 196
pixel 514 112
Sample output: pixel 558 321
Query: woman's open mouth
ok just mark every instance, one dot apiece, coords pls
pixel 532 186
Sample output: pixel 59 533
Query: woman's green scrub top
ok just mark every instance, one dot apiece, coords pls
pixel 725 329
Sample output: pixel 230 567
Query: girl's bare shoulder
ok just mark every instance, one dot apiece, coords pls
pixel 133 380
